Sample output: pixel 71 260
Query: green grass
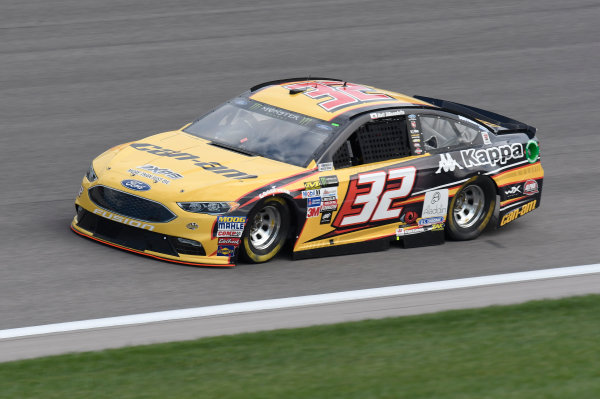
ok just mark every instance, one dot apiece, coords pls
pixel 544 349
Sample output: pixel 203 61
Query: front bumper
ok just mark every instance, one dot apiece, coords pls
pixel 165 241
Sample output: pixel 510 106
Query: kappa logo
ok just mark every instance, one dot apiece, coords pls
pixel 492 156
pixel 447 164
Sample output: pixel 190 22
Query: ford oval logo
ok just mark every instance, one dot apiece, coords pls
pixel 135 185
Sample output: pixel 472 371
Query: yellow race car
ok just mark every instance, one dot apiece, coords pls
pixel 331 166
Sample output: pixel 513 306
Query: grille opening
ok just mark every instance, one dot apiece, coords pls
pixel 130 205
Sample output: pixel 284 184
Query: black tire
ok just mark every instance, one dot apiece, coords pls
pixel 267 228
pixel 471 209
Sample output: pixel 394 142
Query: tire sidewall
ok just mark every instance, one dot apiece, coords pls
pixel 453 230
pixel 253 255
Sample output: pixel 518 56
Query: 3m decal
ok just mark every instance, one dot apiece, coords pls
pixel 517 213
pixel 313 212
pixel 371 196
pixel 337 94
pixel 214 167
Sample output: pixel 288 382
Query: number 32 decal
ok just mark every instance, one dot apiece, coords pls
pixel 371 197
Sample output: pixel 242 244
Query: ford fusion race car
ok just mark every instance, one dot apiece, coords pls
pixel 331 166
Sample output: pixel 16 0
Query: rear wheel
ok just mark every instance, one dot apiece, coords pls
pixel 268 225
pixel 471 209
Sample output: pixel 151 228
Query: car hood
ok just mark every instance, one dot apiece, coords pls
pixel 188 168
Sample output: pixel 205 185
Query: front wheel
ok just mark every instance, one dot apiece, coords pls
pixel 471 209
pixel 268 225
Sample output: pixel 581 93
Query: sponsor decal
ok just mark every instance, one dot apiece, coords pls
pixel 437 227
pixel 413 124
pixel 431 221
pixel 517 213
pixel 486 138
pixel 135 185
pixel 492 156
pixel 231 223
pixel 314 201
pixel 192 226
pixel 513 191
pixel 407 231
pixel 229 233
pixel 447 164
pixel 229 241
pixel 325 167
pixel 418 151
pixel 225 250
pixel 329 181
pixel 273 191
pixel 213 167
pixel 240 101
pixel 410 217
pixel 336 94
pixel 385 114
pixel 435 203
pixel 412 116
pixel 152 172
pixel 326 217
pixel 330 205
pixel 312 185
pixel 313 211
pixel 155 170
pixel 311 193
pixel 329 192
pixel 123 219
pixel 530 187
pixel 323 127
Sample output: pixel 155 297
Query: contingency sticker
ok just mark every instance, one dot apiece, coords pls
pixel 435 203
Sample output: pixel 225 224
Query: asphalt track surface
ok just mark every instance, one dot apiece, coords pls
pixel 78 77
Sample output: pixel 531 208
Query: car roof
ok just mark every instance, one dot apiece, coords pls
pixel 328 99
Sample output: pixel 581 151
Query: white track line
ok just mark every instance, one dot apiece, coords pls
pixel 282 303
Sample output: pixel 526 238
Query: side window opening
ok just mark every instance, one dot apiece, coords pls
pixel 374 141
pixel 440 132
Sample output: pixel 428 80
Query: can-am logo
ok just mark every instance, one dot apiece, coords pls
pixel 135 185
pixel 492 156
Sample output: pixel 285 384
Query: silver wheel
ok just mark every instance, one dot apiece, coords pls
pixel 264 227
pixel 469 206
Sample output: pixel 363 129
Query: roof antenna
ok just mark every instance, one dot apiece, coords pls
pixel 345 84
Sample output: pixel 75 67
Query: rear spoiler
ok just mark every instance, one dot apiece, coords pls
pixel 499 123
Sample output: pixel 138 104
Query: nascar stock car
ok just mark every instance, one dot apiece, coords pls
pixel 330 166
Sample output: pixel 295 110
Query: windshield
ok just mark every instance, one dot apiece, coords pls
pixel 265 130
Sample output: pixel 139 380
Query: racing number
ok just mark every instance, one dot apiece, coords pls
pixel 375 205
pixel 339 94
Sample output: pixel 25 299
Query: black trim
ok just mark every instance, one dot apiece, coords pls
pixel 381 244
pixel 509 125
pixel 274 82
pixel 133 237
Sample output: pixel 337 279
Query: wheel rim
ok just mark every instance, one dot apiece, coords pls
pixel 469 206
pixel 265 227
